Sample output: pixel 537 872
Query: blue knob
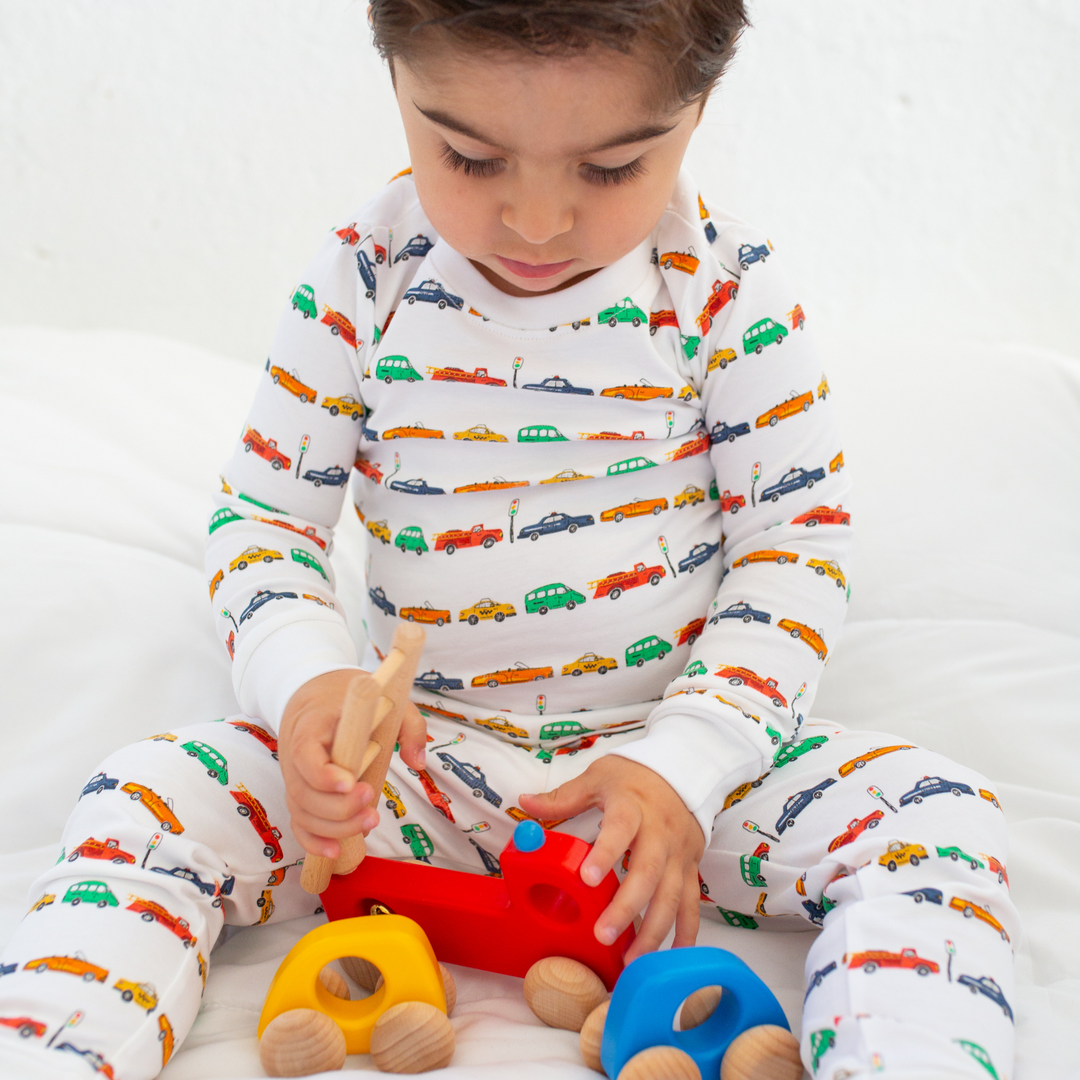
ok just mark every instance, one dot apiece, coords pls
pixel 528 836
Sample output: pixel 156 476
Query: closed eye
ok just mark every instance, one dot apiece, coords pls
pixel 470 166
pixel 597 174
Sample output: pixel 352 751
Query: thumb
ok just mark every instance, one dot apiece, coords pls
pixel 567 800
pixel 412 739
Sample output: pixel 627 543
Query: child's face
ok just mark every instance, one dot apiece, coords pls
pixel 540 171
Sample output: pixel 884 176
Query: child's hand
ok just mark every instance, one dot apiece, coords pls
pixel 325 802
pixel 641 812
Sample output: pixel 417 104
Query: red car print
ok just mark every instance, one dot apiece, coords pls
pixel 348 235
pixel 259 733
pixel 614 585
pixel 370 469
pixel 740 676
pixel 339 325
pixel 823 515
pixel 996 867
pixel 855 828
pixel 307 531
pixel 439 799
pixel 479 376
pixel 873 959
pixel 460 538
pixel 251 808
pixel 95 849
pixel 230 644
pixel 730 503
pixel 24 1025
pixel 662 318
pixel 266 449
pixel 697 445
pixel 723 291
pixel 152 912
pixel 689 633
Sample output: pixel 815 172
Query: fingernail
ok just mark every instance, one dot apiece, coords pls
pixel 607 935
pixel 329 853
pixel 592 876
pixel 342 786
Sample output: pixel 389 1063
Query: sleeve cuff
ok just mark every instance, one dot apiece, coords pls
pixel 702 758
pixel 277 658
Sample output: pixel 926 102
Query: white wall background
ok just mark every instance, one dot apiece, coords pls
pixel 170 166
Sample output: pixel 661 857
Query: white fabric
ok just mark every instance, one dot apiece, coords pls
pixel 960 635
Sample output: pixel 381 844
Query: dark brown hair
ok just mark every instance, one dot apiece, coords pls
pixel 688 42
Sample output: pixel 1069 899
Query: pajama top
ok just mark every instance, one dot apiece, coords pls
pixel 617 504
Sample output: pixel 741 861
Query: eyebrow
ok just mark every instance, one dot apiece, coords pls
pixel 641 134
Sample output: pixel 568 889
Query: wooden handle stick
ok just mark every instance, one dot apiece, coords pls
pixel 364 741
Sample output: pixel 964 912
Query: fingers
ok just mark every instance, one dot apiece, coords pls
pixel 621 822
pixel 320 835
pixel 412 739
pixel 665 905
pixel 309 756
pixel 688 919
pixel 567 800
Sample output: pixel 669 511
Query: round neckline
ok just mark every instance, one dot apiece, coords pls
pixel 601 290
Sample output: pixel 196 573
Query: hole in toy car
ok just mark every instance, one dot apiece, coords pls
pixel 696 1008
pixel 555 903
pixel 362 972
pixel 370 906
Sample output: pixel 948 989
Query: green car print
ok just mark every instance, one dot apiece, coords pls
pixel 690 345
pixel 750 868
pixel 223 517
pixel 820 1042
pixel 648 648
pixel 544 756
pixel 630 465
pixel 763 332
pixel 714 491
pixel 419 842
pixel 217 767
pixel 555 595
pixel 774 738
pixel 90 892
pixel 541 433
pixel 624 311
pixel 736 918
pixel 957 855
pixel 979 1054
pixel 695 667
pixel 396 369
pixel 790 753
pixel 411 538
pixel 561 728
pixel 265 506
pixel 303 300
pixel 307 559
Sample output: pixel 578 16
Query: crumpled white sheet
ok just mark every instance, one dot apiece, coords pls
pixel 961 635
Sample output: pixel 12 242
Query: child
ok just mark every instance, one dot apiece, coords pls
pixel 597 459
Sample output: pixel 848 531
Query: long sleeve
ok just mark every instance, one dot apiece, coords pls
pixel 271 583
pixel 786 536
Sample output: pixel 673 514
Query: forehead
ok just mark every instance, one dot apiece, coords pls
pixel 527 103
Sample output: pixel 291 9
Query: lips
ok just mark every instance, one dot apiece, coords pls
pixel 531 270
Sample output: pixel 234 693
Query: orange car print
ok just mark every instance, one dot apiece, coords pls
pixel 797 403
pixel 642 390
pixel 73 965
pixel 857 763
pixel 446 714
pixel 969 908
pixel 634 509
pixel 496 484
pixel 215 581
pixel 800 631
pixel 153 912
pixel 686 261
pixel 562 477
pixel 823 515
pixel 767 555
pixel 520 672
pixel 837 462
pixel 741 676
pixel 165 1036
pixel 425 614
pixel 412 431
pixel 291 382
pixel 990 797
pixel 160 808
pixel 95 849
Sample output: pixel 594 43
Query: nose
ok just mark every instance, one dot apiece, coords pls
pixel 538 214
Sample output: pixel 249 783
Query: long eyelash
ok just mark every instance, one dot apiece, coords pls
pixel 469 166
pixel 630 171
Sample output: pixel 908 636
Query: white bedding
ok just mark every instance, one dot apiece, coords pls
pixel 962 634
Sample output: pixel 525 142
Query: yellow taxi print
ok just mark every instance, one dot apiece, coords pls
pixel 143 994
pixel 393 799
pixel 253 554
pixel 265 902
pixel 899 854
pixel 379 529
pixel 687 393
pixel 503 726
pixel 720 359
pixel 690 495
pixel 485 609
pixel 830 567
pixel 412 431
pixel 590 662
pixel 346 405
pixel 479 433
pixel 42 901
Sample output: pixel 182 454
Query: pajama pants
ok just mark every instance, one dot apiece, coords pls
pixel 896 853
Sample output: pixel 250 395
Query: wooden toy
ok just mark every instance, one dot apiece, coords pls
pixel 766 1052
pixel 448 985
pixel 412 1037
pixel 563 992
pixel 300 1042
pixel 699 1006
pixel 592 1034
pixel 395 945
pixel 364 740
pixel 651 990
pixel 539 908
pixel 661 1063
